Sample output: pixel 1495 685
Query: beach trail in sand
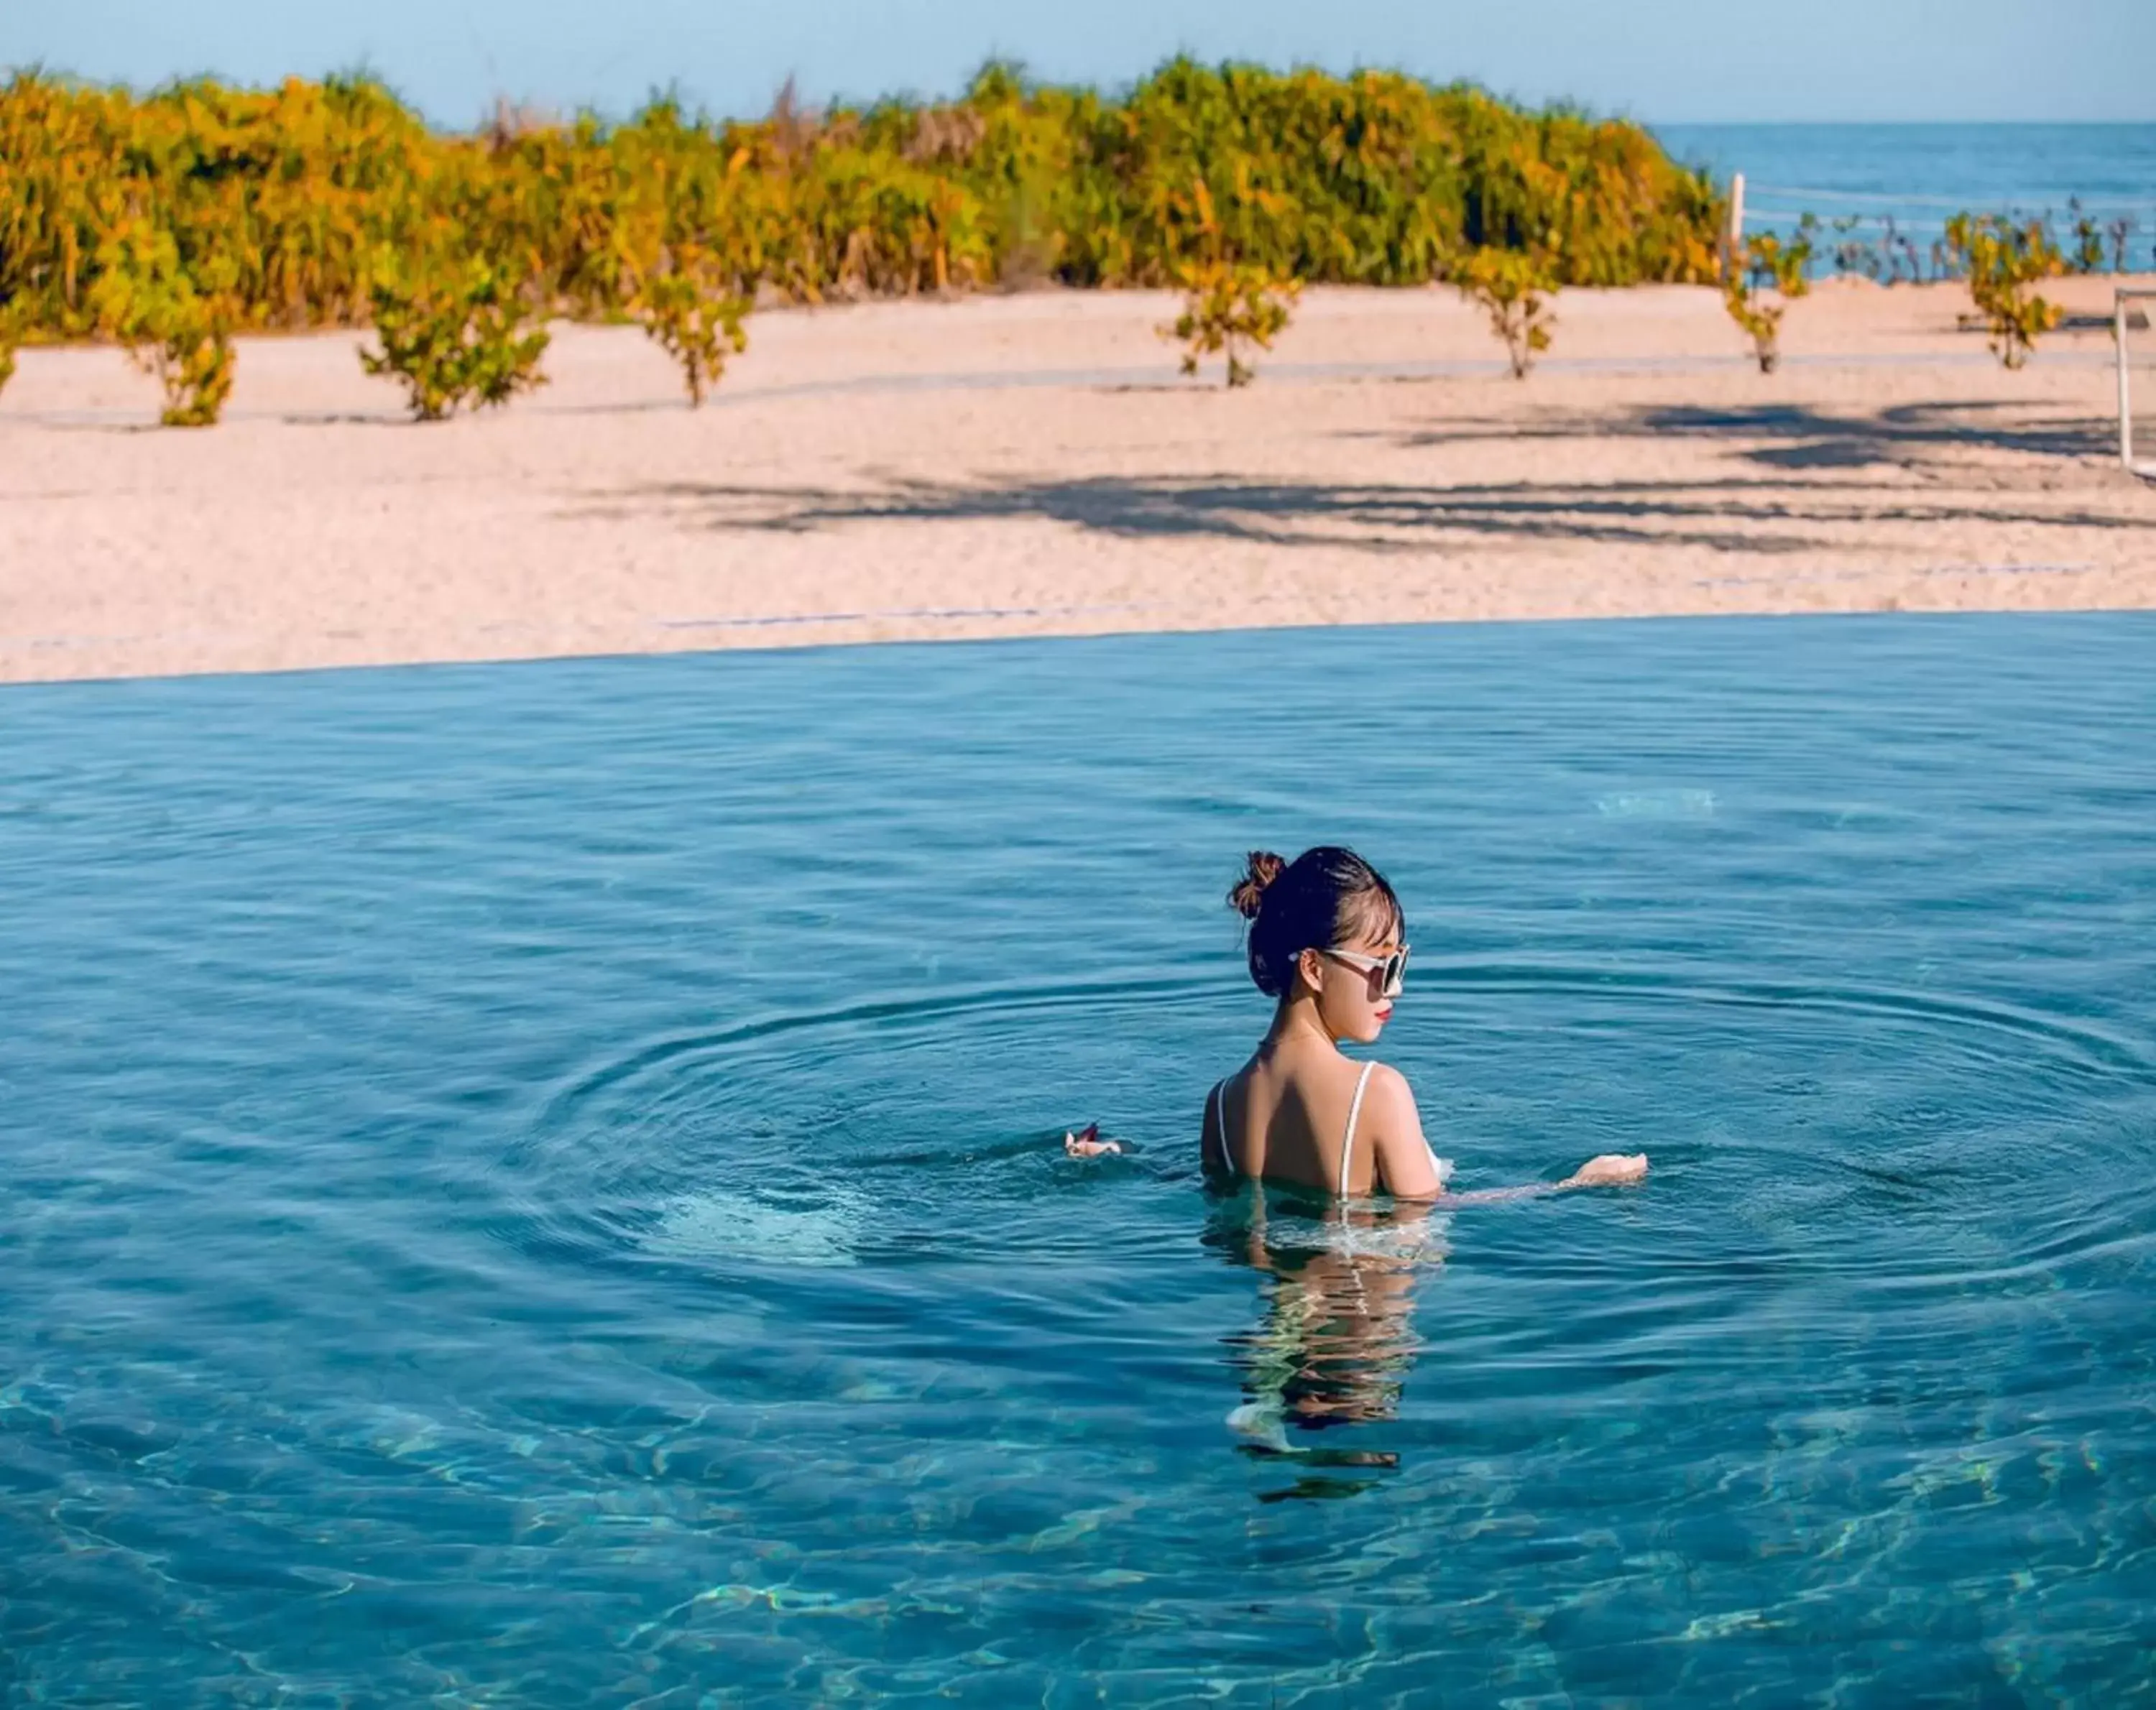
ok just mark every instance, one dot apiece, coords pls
pixel 1031 463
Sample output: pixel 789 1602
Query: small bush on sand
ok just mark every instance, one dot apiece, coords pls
pixel 1228 309
pixel 193 362
pixel 2002 259
pixel 1765 264
pixel 174 326
pixel 689 308
pixel 1230 303
pixel 691 249
pixel 456 329
pixel 1513 287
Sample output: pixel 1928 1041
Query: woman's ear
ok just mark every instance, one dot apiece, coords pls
pixel 1311 965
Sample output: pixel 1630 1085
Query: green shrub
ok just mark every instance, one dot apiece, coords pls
pixel 2002 259
pixel 194 363
pixel 173 326
pixel 1230 304
pixel 456 329
pixel 691 309
pixel 1764 264
pixel 1230 307
pixel 1376 179
pixel 688 238
pixel 1512 287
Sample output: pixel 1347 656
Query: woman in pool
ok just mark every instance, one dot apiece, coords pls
pixel 1328 941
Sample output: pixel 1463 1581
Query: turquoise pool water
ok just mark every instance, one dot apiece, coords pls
pixel 532 1185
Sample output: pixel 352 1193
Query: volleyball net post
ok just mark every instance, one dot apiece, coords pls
pixel 2133 307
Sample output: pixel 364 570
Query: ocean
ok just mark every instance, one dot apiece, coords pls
pixel 1919 175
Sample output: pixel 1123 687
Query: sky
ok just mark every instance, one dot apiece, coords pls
pixel 1661 61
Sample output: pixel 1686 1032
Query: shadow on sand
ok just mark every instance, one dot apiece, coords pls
pixel 1793 437
pixel 1832 472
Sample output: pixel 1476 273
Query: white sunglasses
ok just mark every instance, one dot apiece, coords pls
pixel 1394 966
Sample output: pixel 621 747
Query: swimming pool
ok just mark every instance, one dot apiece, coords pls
pixel 532 1185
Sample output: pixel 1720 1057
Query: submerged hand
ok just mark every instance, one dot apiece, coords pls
pixel 1088 1143
pixel 1610 1169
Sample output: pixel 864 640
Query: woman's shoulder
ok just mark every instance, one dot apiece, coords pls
pixel 1231 1089
pixel 1385 1090
pixel 1374 1075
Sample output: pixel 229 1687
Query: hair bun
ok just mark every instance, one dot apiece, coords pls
pixel 1249 890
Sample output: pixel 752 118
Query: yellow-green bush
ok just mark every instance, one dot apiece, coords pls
pixel 1376 178
pixel 2002 258
pixel 278 204
pixel 1229 304
pixel 1766 263
pixel 1228 308
pixel 455 327
pixel 1512 287
pixel 175 320
pixel 283 192
pixel 11 337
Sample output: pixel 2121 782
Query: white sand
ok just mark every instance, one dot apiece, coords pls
pixel 1031 463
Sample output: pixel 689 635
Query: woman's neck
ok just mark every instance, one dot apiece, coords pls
pixel 1295 1023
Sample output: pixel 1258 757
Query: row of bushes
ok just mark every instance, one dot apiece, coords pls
pixel 172 222
pixel 2000 258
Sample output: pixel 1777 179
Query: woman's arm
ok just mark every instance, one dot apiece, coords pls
pixel 1406 1171
pixel 1404 1166
pixel 1610 1169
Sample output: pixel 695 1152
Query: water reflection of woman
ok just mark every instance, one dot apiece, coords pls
pixel 1337 1338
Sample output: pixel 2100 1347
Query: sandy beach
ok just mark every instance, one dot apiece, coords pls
pixel 1032 463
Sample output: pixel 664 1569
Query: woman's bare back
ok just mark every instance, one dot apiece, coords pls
pixel 1289 1115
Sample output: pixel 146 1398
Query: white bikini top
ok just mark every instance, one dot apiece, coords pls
pixel 1347 1140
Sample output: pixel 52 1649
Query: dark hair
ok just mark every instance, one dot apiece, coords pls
pixel 1316 901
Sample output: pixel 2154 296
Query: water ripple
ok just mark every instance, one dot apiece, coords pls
pixel 540 1185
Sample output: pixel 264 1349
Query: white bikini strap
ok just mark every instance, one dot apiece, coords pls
pixel 1354 1114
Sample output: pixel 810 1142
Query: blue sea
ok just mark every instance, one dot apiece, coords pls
pixel 538 1184
pixel 1918 176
